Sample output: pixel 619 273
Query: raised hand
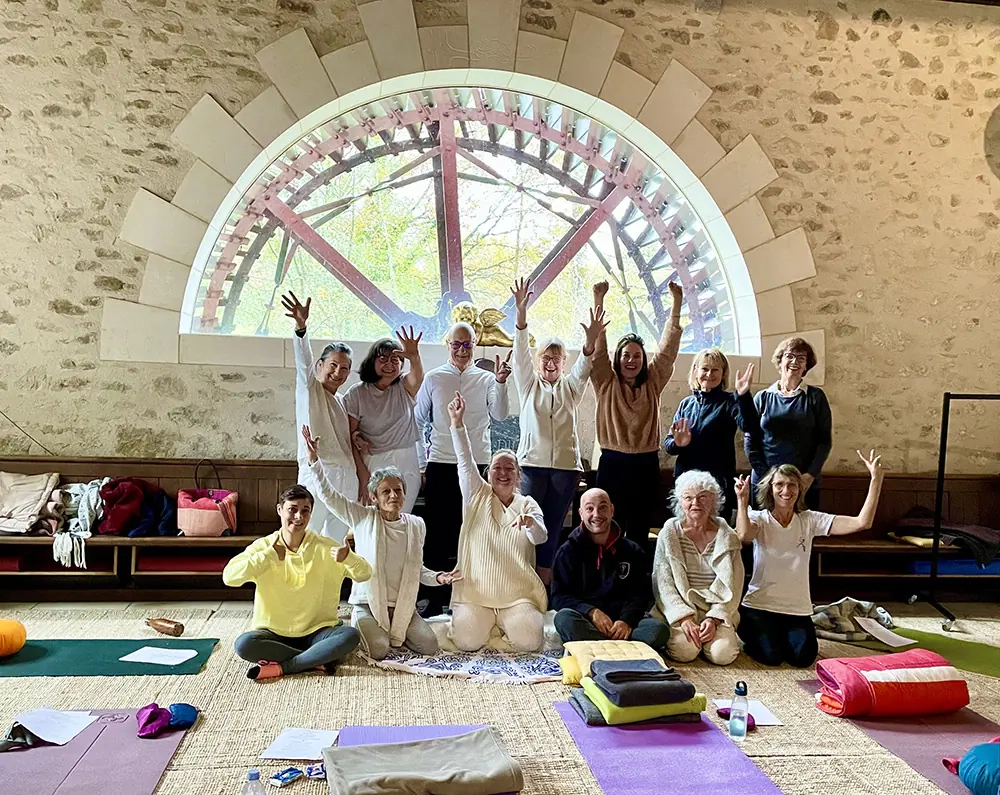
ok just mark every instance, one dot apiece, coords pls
pixel 743 380
pixel 522 294
pixel 342 552
pixel 873 463
pixel 592 330
pixel 600 290
pixel 409 342
pixel 502 369
pixel 296 310
pixel 676 291
pixel 448 577
pixel 742 487
pixel 456 410
pixel 312 444
pixel 681 431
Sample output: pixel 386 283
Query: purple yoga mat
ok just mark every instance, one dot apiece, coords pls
pixel 380 735
pixel 106 757
pixel 923 742
pixel 633 760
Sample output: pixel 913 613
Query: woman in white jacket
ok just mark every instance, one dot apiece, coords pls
pixel 698 574
pixel 318 405
pixel 549 449
pixel 496 551
pixel 392 542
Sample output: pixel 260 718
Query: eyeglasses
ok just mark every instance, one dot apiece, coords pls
pixel 457 346
pixel 796 357
pixel 551 359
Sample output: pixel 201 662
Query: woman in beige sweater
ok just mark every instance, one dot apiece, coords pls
pixel 496 551
pixel 628 391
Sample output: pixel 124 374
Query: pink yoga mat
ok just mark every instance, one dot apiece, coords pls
pixel 380 735
pixel 105 758
pixel 923 742
pixel 682 758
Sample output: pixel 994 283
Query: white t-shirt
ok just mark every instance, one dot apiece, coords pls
pixel 780 582
pixel 395 558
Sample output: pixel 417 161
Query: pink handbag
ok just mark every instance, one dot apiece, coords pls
pixel 206 512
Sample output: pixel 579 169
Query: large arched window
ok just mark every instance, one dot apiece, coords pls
pixel 395 211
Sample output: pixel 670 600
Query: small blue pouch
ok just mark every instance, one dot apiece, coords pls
pixel 182 716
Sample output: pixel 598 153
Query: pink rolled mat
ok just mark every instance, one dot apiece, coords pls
pixel 638 759
pixel 923 742
pixel 105 758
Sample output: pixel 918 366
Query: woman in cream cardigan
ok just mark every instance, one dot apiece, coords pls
pixel 698 574
pixel 496 551
pixel 392 542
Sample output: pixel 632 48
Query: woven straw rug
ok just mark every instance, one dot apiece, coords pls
pixel 813 754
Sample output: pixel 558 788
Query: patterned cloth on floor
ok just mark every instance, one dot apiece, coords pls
pixel 836 621
pixel 485 665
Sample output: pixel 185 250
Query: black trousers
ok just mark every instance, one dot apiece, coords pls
pixel 442 512
pixel 776 638
pixel 632 480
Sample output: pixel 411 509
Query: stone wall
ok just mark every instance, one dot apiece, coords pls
pixel 876 119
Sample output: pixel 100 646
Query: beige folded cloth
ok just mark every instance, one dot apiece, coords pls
pixel 474 763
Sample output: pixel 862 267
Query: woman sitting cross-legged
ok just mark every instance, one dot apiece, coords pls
pixel 496 551
pixel 776 616
pixel 298 574
pixel 384 605
pixel 698 573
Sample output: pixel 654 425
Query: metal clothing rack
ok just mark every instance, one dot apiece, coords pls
pixel 930 595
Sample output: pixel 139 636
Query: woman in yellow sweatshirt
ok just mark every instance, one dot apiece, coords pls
pixel 298 575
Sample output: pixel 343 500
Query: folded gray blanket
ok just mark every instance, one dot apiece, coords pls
pixel 592 716
pixel 474 763
pixel 633 671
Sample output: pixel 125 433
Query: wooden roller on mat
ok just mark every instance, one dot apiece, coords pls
pixel 166 626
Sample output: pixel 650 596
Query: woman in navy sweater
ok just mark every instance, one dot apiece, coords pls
pixel 795 421
pixel 705 424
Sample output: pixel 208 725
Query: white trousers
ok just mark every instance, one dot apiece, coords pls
pixel 523 626
pixel 723 649
pixel 322 521
pixel 405 461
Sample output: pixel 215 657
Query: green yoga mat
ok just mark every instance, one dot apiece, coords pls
pixel 101 658
pixel 963 654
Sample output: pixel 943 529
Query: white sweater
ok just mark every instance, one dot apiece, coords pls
pixel 496 558
pixel 548 411
pixel 369 543
pixel 484 399
pixel 322 412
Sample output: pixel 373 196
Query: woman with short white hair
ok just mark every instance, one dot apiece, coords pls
pixel 698 573
pixel 496 551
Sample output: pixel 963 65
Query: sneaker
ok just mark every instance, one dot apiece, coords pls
pixel 264 670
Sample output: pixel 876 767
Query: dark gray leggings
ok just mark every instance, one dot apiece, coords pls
pixel 326 645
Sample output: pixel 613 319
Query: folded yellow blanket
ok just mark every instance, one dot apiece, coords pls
pixel 616 716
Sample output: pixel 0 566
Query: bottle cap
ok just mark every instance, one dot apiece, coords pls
pixel 253 775
pixel 741 688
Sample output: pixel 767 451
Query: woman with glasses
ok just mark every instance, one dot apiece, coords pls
pixel 795 422
pixel 380 409
pixel 698 574
pixel 628 391
pixel 486 399
pixel 549 449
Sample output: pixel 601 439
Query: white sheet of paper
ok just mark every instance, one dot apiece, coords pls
pixel 151 654
pixel 55 726
pixel 887 636
pixel 762 716
pixel 301 744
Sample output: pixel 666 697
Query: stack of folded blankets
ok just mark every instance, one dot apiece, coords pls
pixel 636 691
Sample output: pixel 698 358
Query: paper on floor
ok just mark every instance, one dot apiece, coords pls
pixel 55 726
pixel 151 654
pixel 762 716
pixel 887 636
pixel 302 744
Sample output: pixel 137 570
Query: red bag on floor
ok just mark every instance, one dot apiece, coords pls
pixel 206 512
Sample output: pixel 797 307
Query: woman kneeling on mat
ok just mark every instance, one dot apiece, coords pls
pixel 776 616
pixel 496 551
pixel 298 574
pixel 393 542
pixel 698 573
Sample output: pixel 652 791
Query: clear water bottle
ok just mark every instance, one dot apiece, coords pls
pixel 253 786
pixel 738 713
